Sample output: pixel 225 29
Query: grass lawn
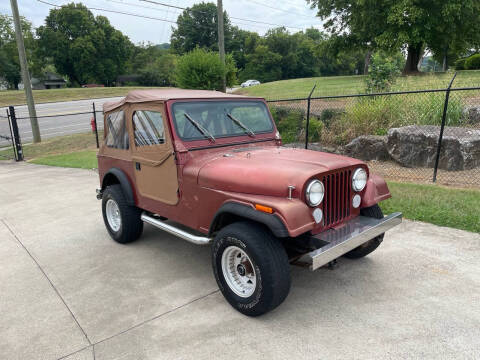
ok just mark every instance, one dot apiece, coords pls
pixel 456 208
pixel 17 97
pixel 86 159
pixel 57 145
pixel 345 85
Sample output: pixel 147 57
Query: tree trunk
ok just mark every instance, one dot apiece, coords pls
pixel 445 60
pixel 368 58
pixel 413 57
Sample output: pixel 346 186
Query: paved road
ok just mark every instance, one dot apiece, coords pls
pixel 57 123
pixel 67 290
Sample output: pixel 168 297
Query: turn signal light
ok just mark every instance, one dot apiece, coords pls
pixel 264 208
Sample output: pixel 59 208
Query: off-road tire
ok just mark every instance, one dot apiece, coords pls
pixel 269 260
pixel 366 248
pixel 131 226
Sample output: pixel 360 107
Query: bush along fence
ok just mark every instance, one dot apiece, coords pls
pixel 422 136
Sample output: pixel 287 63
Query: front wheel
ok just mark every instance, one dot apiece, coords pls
pixel 368 247
pixel 251 268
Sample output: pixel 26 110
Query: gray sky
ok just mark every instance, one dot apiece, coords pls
pixel 294 13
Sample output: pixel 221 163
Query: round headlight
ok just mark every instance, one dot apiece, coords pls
pixel 314 192
pixel 359 179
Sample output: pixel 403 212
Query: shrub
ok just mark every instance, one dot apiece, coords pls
pixel 382 73
pixel 473 62
pixel 202 69
pixel 289 122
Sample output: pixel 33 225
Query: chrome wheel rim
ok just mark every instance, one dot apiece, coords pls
pixel 113 215
pixel 238 271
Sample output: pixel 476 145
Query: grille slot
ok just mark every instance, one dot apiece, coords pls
pixel 336 205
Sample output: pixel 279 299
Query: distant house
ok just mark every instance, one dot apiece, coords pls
pixel 3 84
pixel 123 80
pixel 49 81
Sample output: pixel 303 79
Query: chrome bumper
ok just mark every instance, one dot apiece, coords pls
pixel 353 234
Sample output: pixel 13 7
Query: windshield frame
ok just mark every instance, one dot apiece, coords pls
pixel 225 139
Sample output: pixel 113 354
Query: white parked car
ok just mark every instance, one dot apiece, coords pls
pixel 249 83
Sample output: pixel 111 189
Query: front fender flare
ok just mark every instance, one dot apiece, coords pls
pixel 272 221
pixel 376 191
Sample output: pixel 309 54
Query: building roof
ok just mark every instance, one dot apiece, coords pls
pixel 139 96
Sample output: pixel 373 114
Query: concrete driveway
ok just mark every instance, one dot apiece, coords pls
pixel 68 291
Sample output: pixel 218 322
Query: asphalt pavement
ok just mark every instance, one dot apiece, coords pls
pixel 58 120
pixel 68 291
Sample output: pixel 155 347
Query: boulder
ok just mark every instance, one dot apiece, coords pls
pixel 473 114
pixel 416 146
pixel 368 147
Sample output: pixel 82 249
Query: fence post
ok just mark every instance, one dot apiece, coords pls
pixel 442 128
pixel 95 122
pixel 308 116
pixel 11 135
pixel 16 135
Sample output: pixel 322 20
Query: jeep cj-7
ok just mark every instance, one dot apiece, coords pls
pixel 210 168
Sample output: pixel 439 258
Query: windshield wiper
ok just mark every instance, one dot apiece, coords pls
pixel 200 128
pixel 239 123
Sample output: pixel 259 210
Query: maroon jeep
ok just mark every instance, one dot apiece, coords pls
pixel 210 168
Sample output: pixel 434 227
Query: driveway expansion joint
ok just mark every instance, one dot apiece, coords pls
pixel 46 277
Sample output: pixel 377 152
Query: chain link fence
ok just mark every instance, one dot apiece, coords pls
pixel 420 136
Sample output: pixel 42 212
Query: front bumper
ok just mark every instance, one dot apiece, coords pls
pixel 351 235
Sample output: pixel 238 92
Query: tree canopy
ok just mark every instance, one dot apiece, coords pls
pixel 9 63
pixel 83 47
pixel 439 25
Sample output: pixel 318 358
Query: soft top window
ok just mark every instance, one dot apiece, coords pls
pixel 117 134
pixel 221 118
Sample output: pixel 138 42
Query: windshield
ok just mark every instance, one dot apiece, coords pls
pixel 221 118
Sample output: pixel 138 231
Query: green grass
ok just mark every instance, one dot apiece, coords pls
pixel 345 85
pixel 86 159
pixel 456 208
pixel 57 145
pixel 17 97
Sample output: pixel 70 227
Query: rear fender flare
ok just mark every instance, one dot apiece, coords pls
pixel 122 179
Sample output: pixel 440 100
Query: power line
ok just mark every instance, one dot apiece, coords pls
pixel 278 9
pixel 232 17
pixel 116 12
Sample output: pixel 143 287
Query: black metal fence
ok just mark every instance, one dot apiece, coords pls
pixel 10 138
pixel 420 136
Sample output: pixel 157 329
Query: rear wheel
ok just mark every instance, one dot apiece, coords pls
pixel 368 247
pixel 251 268
pixel 121 220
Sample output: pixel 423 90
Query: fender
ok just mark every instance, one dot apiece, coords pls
pixel 235 210
pixel 375 191
pixel 122 180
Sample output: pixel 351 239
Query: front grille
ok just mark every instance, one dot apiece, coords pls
pixel 336 205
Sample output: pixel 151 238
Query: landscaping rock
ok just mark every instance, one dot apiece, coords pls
pixel 473 114
pixel 368 147
pixel 416 146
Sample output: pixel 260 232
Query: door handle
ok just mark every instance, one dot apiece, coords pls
pixel 138 166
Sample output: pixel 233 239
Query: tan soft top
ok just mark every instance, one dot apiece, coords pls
pixel 139 96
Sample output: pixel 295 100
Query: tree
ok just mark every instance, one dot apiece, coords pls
pixel 9 63
pixel 83 47
pixel 202 69
pixel 160 72
pixel 197 26
pixel 407 24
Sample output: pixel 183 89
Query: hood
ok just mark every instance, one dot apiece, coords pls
pixel 267 171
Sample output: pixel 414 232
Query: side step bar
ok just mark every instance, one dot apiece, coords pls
pixel 354 233
pixel 198 240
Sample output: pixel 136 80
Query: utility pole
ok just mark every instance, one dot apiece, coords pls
pixel 221 40
pixel 25 75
